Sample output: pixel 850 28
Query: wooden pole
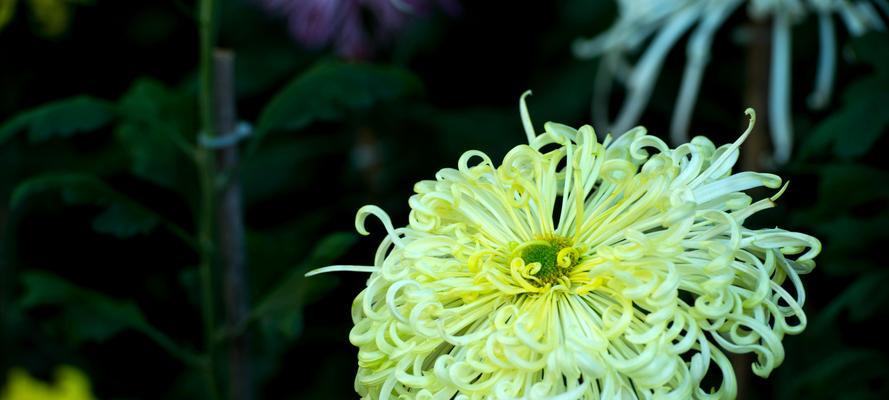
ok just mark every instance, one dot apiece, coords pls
pixel 230 229
pixel 756 148
pixel 754 153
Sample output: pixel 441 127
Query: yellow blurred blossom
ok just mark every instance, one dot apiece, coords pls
pixel 7 10
pixel 51 17
pixel 69 384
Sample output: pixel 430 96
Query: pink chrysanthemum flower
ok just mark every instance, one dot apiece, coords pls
pixel 339 23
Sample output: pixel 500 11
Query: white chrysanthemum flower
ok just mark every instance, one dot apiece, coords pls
pixel 665 22
pixel 579 270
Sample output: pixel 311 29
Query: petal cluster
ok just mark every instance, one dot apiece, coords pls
pixel 652 275
pixel 659 25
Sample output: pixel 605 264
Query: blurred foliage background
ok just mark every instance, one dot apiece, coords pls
pixel 99 194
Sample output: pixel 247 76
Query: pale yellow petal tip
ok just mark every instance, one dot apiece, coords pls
pixel 360 217
pixel 378 212
pixel 750 112
pixel 526 117
pixel 780 192
pixel 340 268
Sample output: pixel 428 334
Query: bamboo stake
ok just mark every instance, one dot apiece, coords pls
pixel 230 229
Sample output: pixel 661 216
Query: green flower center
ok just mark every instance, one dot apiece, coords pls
pixel 555 255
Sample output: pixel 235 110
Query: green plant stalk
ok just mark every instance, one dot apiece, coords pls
pixel 204 161
pixel 207 38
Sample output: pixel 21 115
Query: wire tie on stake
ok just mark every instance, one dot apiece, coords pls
pixel 241 131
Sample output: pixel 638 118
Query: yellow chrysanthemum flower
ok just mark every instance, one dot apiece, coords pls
pixel 70 384
pixel 7 10
pixel 579 270
pixel 51 16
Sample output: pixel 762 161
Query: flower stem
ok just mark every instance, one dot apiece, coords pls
pixel 207 38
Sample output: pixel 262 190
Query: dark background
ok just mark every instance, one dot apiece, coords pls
pixel 83 270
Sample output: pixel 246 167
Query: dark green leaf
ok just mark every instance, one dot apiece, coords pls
pixel 330 248
pixel 62 118
pixel 123 221
pixel 480 128
pixel 844 186
pixel 123 217
pixel 852 130
pixel 289 161
pixel 562 97
pixel 107 317
pixel 836 375
pixel 282 308
pixel 862 299
pixel 329 90
pixel 156 120
pixel 152 157
pixel 848 235
pixel 871 49
pixel 848 238
pixel 259 67
pixel 98 317
pixel 274 252
pixel 149 98
pixel 854 180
